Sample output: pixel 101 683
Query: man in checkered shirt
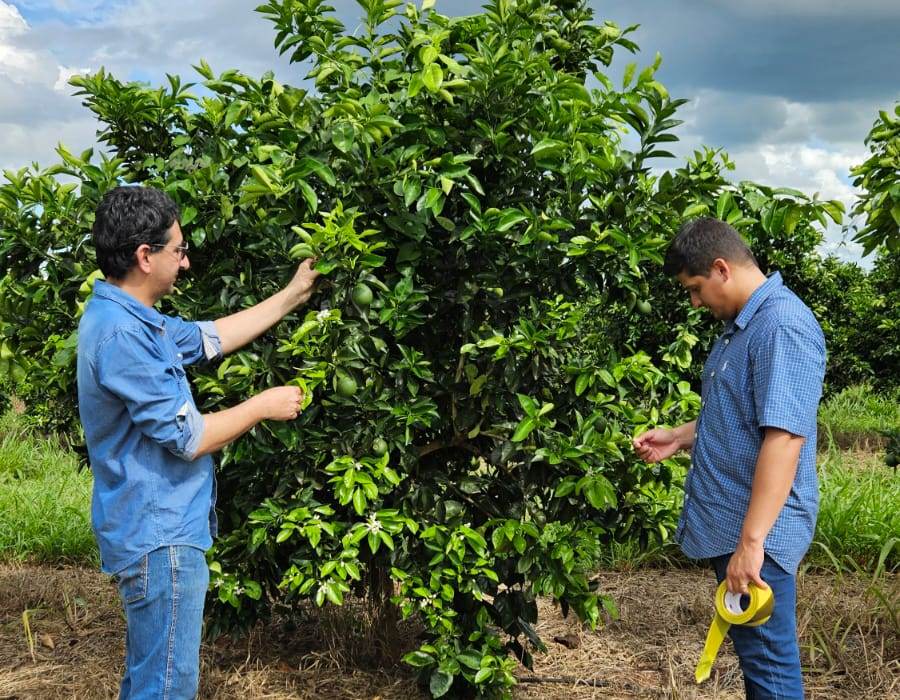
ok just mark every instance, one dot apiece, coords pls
pixel 751 495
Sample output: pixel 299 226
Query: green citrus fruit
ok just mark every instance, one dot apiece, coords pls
pixel 379 447
pixel 346 386
pixel 644 307
pixel 891 460
pixel 361 295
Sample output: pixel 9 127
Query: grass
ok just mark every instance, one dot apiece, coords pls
pixel 860 411
pixel 44 500
pixel 859 514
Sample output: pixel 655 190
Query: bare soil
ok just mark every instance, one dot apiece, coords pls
pixel 61 636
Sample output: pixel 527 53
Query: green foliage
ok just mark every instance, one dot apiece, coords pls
pixel 44 499
pixel 882 332
pixel 879 179
pixel 45 219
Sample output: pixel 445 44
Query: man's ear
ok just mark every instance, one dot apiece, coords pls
pixel 142 258
pixel 721 267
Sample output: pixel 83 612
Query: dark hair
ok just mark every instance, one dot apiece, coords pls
pixel 127 218
pixel 699 242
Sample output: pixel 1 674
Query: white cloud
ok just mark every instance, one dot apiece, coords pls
pixel 15 62
pixel 36 111
pixel 65 74
pixel 23 144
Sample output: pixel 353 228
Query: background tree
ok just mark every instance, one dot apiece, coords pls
pixel 879 179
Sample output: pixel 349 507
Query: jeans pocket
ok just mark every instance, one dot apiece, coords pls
pixel 132 581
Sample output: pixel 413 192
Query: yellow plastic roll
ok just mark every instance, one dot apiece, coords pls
pixel 729 611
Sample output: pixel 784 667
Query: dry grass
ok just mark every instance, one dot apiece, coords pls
pixel 850 640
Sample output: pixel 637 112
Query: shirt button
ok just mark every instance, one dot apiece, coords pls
pixel 713 373
pixel 179 356
pixel 727 340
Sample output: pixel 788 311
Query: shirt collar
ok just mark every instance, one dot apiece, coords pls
pixel 145 313
pixel 760 294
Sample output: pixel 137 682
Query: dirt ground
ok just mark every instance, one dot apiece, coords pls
pixel 61 636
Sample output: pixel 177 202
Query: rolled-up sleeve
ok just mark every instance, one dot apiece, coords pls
pixel 153 390
pixel 788 370
pixel 196 340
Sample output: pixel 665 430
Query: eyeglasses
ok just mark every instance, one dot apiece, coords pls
pixel 180 250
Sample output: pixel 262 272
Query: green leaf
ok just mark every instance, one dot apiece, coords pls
pixel 428 54
pixel 483 675
pixel 694 210
pixel 343 136
pixel 433 77
pixel 528 404
pixel 546 148
pixel 309 195
pixel 470 659
pixel 524 429
pixel 418 659
pixel 582 383
pixel 723 206
pixel 510 218
pixel 440 683
pixel 359 501
pixel 412 188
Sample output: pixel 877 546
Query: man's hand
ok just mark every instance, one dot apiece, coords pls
pixel 657 444
pixel 304 282
pixel 744 567
pixel 280 403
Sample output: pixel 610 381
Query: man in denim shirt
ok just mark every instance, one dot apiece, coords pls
pixel 153 506
pixel 751 495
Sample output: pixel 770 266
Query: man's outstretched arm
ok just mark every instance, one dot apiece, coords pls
pixel 244 326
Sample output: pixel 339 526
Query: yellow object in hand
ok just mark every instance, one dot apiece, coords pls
pixel 729 611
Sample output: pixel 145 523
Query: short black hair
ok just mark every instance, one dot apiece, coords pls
pixel 128 217
pixel 700 242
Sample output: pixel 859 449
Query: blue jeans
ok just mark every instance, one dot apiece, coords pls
pixel 163 595
pixel 769 654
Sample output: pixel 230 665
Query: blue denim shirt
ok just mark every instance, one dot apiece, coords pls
pixel 766 370
pixel 142 427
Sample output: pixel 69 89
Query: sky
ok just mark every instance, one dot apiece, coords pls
pixel 789 88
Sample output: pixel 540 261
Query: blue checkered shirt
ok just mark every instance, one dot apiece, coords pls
pixel 765 370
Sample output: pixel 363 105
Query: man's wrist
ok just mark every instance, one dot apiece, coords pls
pixel 751 540
pixel 684 436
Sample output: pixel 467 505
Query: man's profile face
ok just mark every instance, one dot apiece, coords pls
pixel 709 291
pixel 169 260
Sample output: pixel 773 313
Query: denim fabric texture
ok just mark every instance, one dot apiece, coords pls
pixel 163 594
pixel 769 654
pixel 765 370
pixel 142 427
